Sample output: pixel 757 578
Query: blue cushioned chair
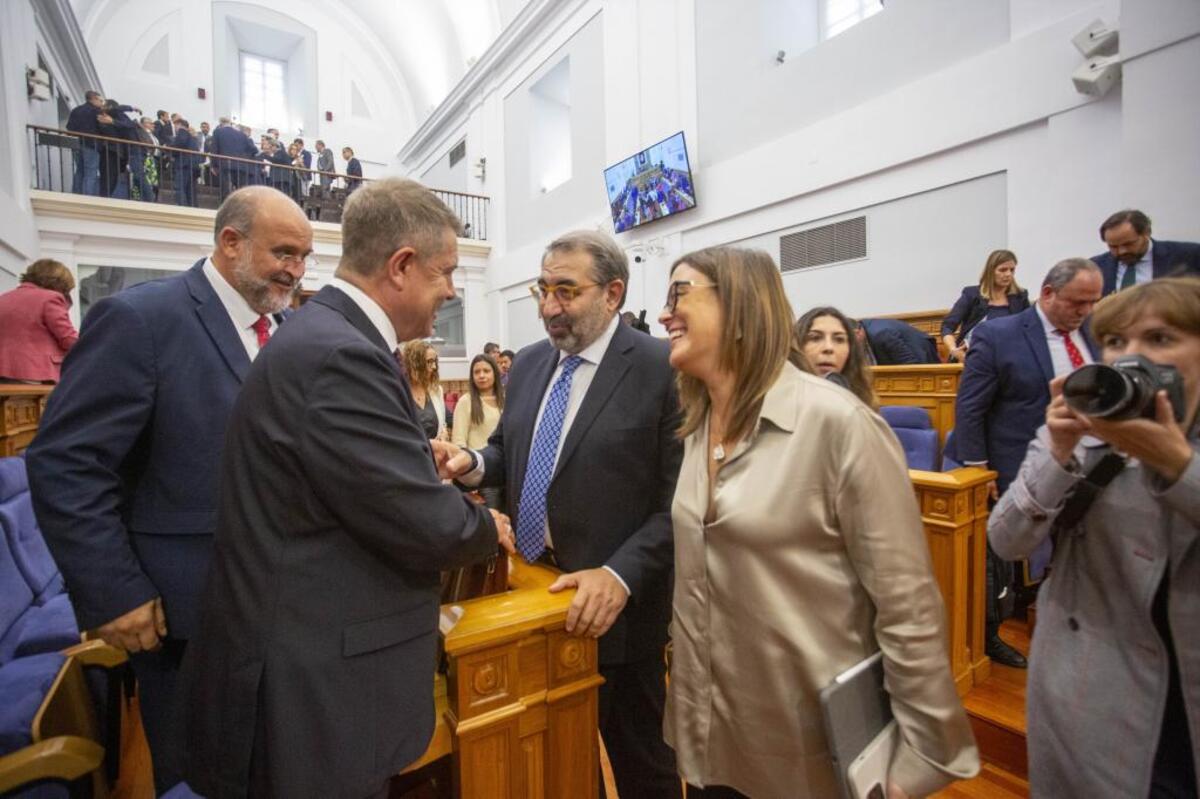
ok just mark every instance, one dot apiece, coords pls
pixel 20 529
pixel 917 436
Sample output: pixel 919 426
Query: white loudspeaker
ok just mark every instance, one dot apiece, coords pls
pixel 1098 38
pixel 1097 75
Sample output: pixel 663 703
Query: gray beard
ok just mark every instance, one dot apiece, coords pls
pixel 257 290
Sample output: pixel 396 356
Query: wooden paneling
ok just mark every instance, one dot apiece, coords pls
pixel 929 386
pixel 21 408
pixel 954 511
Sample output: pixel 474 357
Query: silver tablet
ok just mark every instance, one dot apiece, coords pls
pixel 856 710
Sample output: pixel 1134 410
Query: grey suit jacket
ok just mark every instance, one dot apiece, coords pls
pixel 1098 668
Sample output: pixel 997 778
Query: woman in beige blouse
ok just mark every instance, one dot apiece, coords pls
pixel 799 552
pixel 477 414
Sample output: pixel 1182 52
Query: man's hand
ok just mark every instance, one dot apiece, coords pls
pixel 1065 426
pixel 445 453
pixel 139 630
pixel 1160 443
pixel 600 598
pixel 104 119
pixel 456 465
pixel 504 532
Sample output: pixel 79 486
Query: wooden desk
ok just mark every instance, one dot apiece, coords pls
pixel 518 710
pixel 954 511
pixel 21 408
pixel 932 386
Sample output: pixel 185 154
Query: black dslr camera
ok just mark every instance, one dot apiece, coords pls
pixel 1123 390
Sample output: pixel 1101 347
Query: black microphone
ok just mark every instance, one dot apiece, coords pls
pixel 838 379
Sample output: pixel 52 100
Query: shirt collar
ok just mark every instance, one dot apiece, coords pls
pixel 780 402
pixel 594 352
pixel 372 309
pixel 239 310
pixel 1047 325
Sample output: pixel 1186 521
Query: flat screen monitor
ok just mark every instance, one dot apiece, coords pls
pixel 652 184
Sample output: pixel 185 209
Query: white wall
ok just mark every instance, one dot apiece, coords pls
pixel 120 35
pixel 18 234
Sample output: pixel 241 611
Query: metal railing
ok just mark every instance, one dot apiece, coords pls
pixel 104 166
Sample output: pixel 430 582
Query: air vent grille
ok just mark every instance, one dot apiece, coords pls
pixel 827 244
pixel 458 153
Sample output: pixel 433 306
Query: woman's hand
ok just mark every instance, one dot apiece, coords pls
pixel 959 353
pixel 1065 426
pixel 894 791
pixel 1160 443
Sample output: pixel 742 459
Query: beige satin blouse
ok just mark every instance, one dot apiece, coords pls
pixel 815 559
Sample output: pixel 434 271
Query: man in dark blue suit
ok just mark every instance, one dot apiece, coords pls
pixel 1133 257
pixel 1004 392
pixel 185 165
pixel 86 118
pixel 229 141
pixel 124 467
pixel 892 342
pixel 587 449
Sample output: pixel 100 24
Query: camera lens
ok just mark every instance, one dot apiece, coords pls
pixel 1099 390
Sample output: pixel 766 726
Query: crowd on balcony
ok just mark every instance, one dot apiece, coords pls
pixel 227 157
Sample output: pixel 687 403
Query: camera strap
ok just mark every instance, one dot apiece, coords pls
pixel 1088 490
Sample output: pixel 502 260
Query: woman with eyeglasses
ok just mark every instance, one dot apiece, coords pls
pixel 1114 674
pixel 35 324
pixel 828 342
pixel 421 363
pixel 799 552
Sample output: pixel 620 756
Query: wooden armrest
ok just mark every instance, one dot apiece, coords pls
pixel 97 653
pixel 64 757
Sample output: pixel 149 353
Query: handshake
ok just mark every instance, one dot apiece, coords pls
pixel 453 462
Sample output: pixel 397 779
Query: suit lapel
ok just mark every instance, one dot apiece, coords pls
pixel 216 322
pixel 1035 334
pixel 1159 259
pixel 609 373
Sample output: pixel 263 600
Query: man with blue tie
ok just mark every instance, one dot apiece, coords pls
pixel 587 448
pixel 1133 257
pixel 1004 392
pixel 124 467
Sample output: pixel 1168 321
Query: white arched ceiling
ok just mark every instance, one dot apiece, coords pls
pixel 427 44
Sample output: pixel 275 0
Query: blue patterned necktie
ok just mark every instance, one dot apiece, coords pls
pixel 531 513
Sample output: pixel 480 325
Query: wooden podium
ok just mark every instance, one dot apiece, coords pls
pixel 518 710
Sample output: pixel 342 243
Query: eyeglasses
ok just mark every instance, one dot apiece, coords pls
pixel 674 293
pixel 563 292
pixel 286 258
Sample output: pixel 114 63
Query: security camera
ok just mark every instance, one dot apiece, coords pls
pixel 637 259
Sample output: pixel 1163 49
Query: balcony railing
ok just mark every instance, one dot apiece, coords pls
pixel 104 166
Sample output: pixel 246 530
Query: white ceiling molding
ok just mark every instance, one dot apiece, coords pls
pixel 536 18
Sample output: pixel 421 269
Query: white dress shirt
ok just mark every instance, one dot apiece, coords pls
pixel 1144 267
pixel 372 309
pixel 1058 348
pixel 240 312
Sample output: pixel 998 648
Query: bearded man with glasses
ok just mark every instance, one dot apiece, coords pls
pixel 587 449
pixel 124 468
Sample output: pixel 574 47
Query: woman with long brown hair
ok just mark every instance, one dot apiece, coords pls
pixel 477 414
pixel 421 363
pixel 799 552
pixel 997 294
pixel 826 337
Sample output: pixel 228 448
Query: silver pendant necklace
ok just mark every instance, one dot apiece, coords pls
pixel 718 452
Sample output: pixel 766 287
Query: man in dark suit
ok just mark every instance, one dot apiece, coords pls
pixel 1004 392
pixel 1133 257
pixel 587 448
pixel 353 168
pixel 123 470
pixel 313 670
pixel 186 165
pixel 228 140
pixel 86 118
pixel 164 128
pixel 892 342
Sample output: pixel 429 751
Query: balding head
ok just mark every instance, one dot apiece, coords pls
pixel 263 246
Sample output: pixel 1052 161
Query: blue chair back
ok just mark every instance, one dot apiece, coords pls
pixel 914 429
pixel 21 533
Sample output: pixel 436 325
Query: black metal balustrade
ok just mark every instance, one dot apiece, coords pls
pixel 103 166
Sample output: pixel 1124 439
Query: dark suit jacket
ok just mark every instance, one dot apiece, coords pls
pixel 895 342
pixel 320 614
pixel 1004 391
pixel 124 466
pixel 353 167
pixel 228 140
pixel 1169 259
pixel 971 308
pixel 184 140
pixel 165 131
pixel 83 120
pixel 609 502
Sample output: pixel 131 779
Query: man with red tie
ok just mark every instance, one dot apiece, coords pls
pixel 124 468
pixel 1004 392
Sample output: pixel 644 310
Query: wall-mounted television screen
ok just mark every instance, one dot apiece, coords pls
pixel 652 184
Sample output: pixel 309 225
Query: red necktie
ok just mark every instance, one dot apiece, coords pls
pixel 262 329
pixel 1072 351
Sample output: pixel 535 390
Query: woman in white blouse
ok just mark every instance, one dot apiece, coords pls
pixel 478 412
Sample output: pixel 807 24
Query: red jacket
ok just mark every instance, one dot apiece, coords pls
pixel 35 333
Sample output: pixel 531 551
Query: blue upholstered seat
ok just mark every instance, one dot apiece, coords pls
pixel 20 530
pixel 917 436
pixel 24 683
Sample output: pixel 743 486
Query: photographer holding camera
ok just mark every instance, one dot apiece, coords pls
pixel 1113 476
